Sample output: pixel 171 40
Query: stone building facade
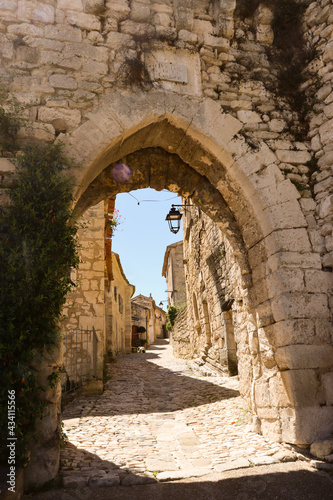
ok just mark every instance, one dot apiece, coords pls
pixel 192 95
pixel 84 308
pixel 118 315
pixel 205 330
pixel 155 317
pixel 173 272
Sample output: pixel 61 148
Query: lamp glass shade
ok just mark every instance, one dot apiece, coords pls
pixel 174 218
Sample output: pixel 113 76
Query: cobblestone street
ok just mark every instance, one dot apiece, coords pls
pixel 159 419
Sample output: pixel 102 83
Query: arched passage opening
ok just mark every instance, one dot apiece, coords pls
pixel 193 149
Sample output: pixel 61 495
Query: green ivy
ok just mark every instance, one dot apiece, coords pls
pixel 172 315
pixel 38 247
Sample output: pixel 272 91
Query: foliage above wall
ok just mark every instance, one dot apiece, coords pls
pixel 172 315
pixel 38 246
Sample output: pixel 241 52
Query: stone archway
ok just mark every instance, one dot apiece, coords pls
pixel 240 186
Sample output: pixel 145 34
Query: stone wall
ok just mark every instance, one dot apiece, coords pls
pixel 155 316
pixel 180 337
pixel 62 56
pixel 319 18
pixel 189 95
pixel 173 271
pixel 118 310
pixel 219 308
pixel 84 308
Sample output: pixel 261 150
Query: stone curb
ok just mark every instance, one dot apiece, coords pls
pixel 131 479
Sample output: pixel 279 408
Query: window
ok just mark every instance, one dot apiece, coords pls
pixel 115 293
pixel 121 307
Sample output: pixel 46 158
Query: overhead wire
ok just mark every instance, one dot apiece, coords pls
pixel 155 201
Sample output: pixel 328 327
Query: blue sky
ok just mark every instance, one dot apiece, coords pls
pixel 141 239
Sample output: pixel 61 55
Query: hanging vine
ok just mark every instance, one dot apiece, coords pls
pixel 38 246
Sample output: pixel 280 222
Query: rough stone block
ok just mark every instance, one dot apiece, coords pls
pixel 322 448
pixel 117 40
pixel 253 162
pixel 285 279
pixel 293 157
pixel 283 216
pixel 241 463
pixel 108 480
pixel 287 240
pixel 95 67
pixel 318 281
pixel 294 259
pixel 6 166
pixel 222 129
pixel 325 130
pixel 43 467
pixel 262 397
pixel 26 29
pixel 327 380
pixel 63 33
pixel 312 423
pixel 63 82
pixel 140 11
pixel 6 47
pixel 248 117
pixel 265 459
pixel 300 331
pixel 32 11
pixel 86 50
pixel 70 5
pixel 302 387
pixel 328 53
pixel 326 207
pixel 277 392
pixel 83 21
pixel 297 305
pixel 215 42
pixel 71 117
pixel 297 357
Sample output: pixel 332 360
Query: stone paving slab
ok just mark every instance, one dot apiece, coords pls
pixel 160 419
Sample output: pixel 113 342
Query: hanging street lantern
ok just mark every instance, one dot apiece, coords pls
pixel 174 217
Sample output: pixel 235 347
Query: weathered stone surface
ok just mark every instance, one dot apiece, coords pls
pixel 237 464
pixel 108 480
pixel 264 460
pixel 296 357
pixel 322 448
pixel 302 387
pixel 71 117
pixel 63 82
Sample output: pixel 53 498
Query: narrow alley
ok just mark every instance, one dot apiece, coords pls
pixel 161 419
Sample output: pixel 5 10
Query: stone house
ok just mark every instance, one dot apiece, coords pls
pixel 197 97
pixel 101 298
pixel 145 309
pixel 118 310
pixel 173 272
pixel 140 324
pixel 204 330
